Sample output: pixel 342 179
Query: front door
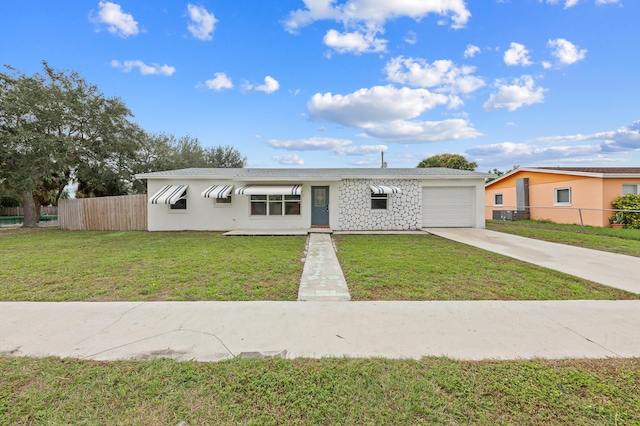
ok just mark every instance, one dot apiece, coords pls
pixel 319 206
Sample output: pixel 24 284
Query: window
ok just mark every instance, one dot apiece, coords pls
pixel 562 196
pixel 275 205
pixel 379 201
pixel 181 204
pixel 224 201
pixel 497 199
pixel 630 189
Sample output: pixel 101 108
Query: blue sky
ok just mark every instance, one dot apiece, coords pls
pixel 332 83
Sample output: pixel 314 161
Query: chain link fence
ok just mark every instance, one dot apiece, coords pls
pixel 603 218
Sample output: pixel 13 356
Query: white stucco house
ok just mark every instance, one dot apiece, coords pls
pixel 341 199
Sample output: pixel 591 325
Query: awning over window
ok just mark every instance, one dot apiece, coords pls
pixel 382 189
pixel 169 194
pixel 269 190
pixel 217 191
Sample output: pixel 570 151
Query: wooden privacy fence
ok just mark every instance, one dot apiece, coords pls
pixel 123 213
pixel 19 211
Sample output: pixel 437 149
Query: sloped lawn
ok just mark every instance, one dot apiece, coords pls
pixel 426 267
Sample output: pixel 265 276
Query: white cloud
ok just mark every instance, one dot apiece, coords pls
pixel 117 22
pixel 442 74
pixel 380 103
pixel 219 82
pixel 354 42
pixel 376 12
pixel 411 38
pixel 546 65
pixel 289 160
pixel 153 69
pixel 517 55
pixel 384 112
pixel 422 131
pixel 337 146
pixel 270 85
pixel 566 52
pixel 202 23
pixel 522 92
pixel 471 51
pixel 566 149
pixel 571 3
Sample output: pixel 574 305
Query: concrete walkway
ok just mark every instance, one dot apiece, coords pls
pixel 610 269
pixel 322 278
pixel 211 331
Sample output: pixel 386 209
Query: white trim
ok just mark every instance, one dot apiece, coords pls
pixel 495 203
pixel 555 197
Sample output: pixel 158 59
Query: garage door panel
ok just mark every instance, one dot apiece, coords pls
pixel 444 207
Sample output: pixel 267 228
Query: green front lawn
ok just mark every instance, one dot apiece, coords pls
pixel 426 267
pixel 54 265
pixel 328 391
pixel 622 241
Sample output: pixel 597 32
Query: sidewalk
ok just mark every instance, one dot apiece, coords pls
pixel 211 331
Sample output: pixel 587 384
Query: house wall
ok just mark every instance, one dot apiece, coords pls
pixel 203 214
pixel 354 205
pixel 590 194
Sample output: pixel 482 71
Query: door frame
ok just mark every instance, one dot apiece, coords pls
pixel 314 217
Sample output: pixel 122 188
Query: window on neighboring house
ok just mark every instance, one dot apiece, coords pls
pixel 497 199
pixel 630 189
pixel 379 201
pixel 275 205
pixel 181 204
pixel 562 196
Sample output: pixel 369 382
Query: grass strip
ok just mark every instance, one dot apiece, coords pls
pixel 621 241
pixel 328 391
pixel 426 267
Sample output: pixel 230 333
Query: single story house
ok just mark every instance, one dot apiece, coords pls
pixel 560 194
pixel 222 199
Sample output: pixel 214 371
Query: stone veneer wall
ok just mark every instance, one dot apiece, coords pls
pixel 403 210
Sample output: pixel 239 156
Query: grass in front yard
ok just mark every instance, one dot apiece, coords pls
pixel 426 267
pixel 622 241
pixel 328 391
pixel 55 265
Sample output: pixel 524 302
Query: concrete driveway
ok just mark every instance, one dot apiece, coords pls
pixel 610 269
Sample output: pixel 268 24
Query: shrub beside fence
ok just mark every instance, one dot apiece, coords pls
pixel 122 213
pixel 19 211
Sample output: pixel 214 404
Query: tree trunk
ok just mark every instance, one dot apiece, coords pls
pixel 36 202
pixel 29 206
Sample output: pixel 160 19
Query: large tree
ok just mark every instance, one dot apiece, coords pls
pixel 55 127
pixel 449 161
pixel 163 151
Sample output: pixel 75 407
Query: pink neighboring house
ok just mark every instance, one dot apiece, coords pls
pixel 556 193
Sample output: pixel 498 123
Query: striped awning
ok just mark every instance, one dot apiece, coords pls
pixel 217 191
pixel 169 194
pixel 269 190
pixel 383 189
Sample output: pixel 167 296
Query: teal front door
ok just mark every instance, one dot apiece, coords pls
pixel 319 206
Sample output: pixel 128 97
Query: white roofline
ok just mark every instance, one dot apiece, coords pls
pixel 567 172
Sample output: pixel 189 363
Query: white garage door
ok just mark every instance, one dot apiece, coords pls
pixel 448 207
